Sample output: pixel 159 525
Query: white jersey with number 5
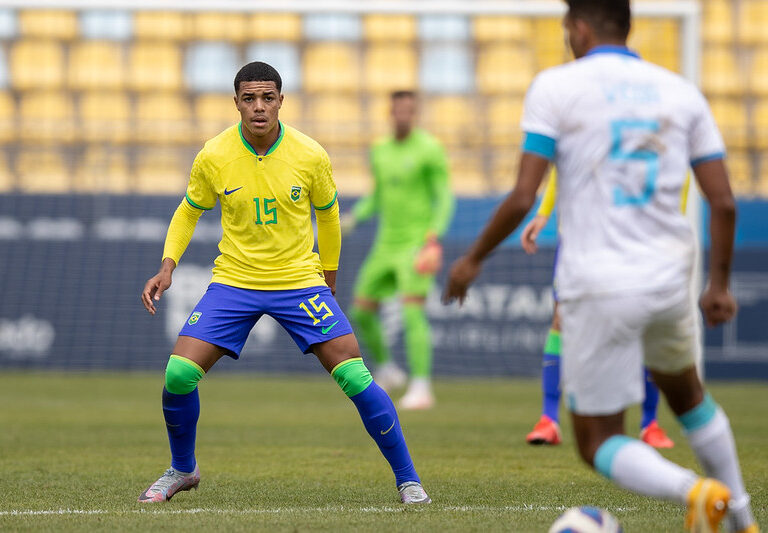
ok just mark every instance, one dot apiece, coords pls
pixel 623 133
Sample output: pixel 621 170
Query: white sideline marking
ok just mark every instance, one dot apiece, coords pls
pixel 278 510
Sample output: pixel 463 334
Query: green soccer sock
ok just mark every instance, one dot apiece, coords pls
pixel 368 324
pixel 418 340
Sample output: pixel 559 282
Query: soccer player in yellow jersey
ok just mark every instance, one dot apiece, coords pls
pixel 268 178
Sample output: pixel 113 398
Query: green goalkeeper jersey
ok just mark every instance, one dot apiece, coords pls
pixel 412 191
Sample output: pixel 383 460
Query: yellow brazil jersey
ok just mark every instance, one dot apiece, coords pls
pixel 266 205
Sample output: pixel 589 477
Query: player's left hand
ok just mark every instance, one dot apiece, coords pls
pixel 717 306
pixel 463 272
pixel 429 260
pixel 330 280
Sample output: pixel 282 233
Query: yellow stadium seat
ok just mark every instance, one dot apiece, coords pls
pixel 390 67
pixel 504 69
pixel 467 175
pixel 7 179
pixel 336 120
pixel 657 41
pixel 96 65
pixel 453 119
pixel 291 111
pixel 161 25
pixel 161 171
pixel 758 74
pixel 548 42
pixel 378 118
pixel 105 117
pixel 7 118
pixel 504 166
pixel 761 185
pixel 215 113
pixel 717 26
pixel 331 67
pixel 753 21
pixel 46 117
pixel 274 27
pixel 760 118
pixel 492 28
pixel 50 24
pixel 503 116
pixel 720 74
pixel 731 117
pixel 351 172
pixel 37 65
pixel 163 118
pixel 389 28
pixel 218 26
pixel 102 170
pixel 42 171
pixel 740 171
pixel 155 65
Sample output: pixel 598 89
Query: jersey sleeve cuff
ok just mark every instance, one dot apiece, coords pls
pixel 541 145
pixel 707 158
pixel 329 204
pixel 196 205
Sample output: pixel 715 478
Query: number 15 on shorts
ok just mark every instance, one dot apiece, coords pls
pixel 319 307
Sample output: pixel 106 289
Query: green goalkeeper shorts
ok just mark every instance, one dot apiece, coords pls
pixel 388 271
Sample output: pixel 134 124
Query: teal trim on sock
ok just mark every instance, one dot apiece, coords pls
pixel 607 451
pixel 352 376
pixel 700 415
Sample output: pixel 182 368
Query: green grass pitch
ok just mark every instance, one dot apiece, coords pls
pixel 290 454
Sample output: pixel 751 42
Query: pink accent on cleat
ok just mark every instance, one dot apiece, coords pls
pixel 169 484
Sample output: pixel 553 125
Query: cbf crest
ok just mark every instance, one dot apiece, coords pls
pixel 295 193
pixel 194 318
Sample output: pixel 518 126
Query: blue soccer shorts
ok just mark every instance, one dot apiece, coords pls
pixel 225 315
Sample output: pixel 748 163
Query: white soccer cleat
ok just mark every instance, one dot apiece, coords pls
pixel 169 484
pixel 418 396
pixel 389 376
pixel 412 493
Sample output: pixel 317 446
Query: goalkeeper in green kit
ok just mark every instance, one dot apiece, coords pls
pixel 413 200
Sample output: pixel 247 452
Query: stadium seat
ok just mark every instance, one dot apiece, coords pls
pixel 155 65
pixel 504 69
pixel 731 117
pixel 740 171
pixel 48 24
pixel 42 171
pixel 389 28
pixel 46 117
pixel 444 28
pixel 453 119
pixel 274 27
pixel 218 26
pixel 7 178
pixel 102 170
pixel 161 171
pixel 332 27
pixel 760 123
pixel 161 25
pixel 548 41
pixel 504 166
pixel 281 55
pixel 291 111
pixel 163 118
pixel 7 117
pixel 753 21
pixel 351 172
pixel 503 115
pixel 331 67
pixel 467 174
pixel 96 65
pixel 111 25
pixel 761 184
pixel 336 120
pixel 377 115
pixel 446 68
pixel 495 28
pixel 720 74
pixel 657 41
pixel 105 117
pixel 211 67
pixel 390 67
pixel 215 113
pixel 758 73
pixel 37 64
pixel 717 26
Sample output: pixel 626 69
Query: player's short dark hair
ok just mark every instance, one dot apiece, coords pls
pixel 609 18
pixel 258 71
pixel 397 95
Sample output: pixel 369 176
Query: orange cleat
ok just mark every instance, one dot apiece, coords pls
pixel 751 529
pixel 546 431
pixel 707 506
pixel 655 436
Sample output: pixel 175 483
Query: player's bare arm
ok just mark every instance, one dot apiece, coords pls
pixel 504 221
pixel 717 303
pixel 157 285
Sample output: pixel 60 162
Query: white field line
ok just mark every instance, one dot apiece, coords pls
pixel 292 510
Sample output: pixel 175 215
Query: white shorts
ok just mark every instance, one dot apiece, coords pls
pixel 607 340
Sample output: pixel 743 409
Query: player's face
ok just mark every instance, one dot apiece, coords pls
pixel 403 114
pixel 258 103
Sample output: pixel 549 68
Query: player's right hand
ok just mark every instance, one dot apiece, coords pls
pixel 718 306
pixel 531 233
pixel 463 272
pixel 154 289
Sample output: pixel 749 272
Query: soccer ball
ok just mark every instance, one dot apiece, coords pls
pixel 586 519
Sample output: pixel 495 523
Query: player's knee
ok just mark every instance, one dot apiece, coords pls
pixel 182 375
pixel 352 376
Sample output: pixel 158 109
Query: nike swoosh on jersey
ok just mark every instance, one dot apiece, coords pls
pixel 227 193
pixel 390 428
pixel 326 329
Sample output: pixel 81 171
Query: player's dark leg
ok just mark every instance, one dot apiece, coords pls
pixel 710 436
pixel 650 430
pixel 418 349
pixel 341 358
pixel 547 429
